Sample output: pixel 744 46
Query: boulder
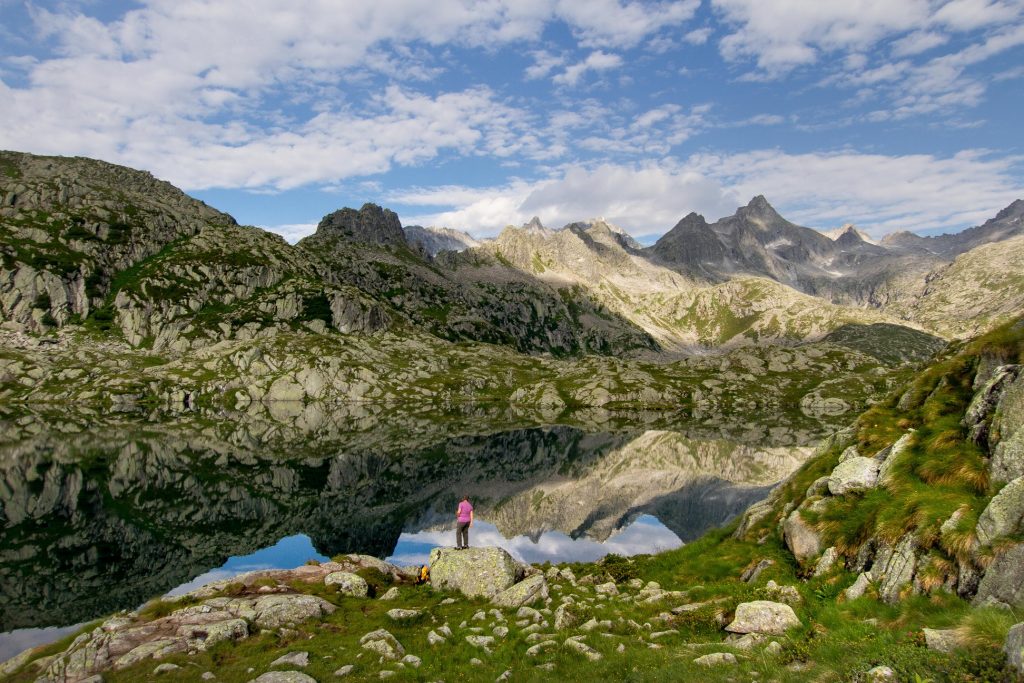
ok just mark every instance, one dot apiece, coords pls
pixel 895 452
pixel 292 659
pixel 348 584
pixel 859 587
pixel 1006 435
pixel 284 677
pixel 803 541
pixel 1004 514
pixel 274 611
pixel 854 474
pixel 475 572
pixel 523 593
pixel 716 659
pixel 403 614
pixel 565 617
pixel 894 568
pixel 1014 647
pixel 383 643
pixel 582 648
pixel 826 561
pixel 763 616
pixel 1004 577
pixel 943 640
pixel 880 674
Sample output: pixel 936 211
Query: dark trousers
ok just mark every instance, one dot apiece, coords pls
pixel 462 535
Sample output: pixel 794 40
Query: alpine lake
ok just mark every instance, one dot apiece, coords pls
pixel 102 511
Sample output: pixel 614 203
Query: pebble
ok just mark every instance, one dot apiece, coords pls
pixel 344 671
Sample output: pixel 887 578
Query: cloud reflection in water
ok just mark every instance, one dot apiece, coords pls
pixel 645 535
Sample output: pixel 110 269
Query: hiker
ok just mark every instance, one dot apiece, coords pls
pixel 463 520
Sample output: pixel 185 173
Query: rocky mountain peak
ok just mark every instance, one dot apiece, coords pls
pixel 849 236
pixel 1014 210
pixel 534 224
pixel 370 224
pixel 759 206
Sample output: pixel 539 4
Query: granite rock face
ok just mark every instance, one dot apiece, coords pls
pixel 1004 578
pixel 1004 514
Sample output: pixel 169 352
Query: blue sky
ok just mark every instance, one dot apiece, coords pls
pixel 891 114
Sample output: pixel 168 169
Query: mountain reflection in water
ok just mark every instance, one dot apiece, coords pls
pixel 102 512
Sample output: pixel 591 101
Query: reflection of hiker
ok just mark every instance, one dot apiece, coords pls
pixel 464 520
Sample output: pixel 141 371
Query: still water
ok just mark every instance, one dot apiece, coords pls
pixel 100 513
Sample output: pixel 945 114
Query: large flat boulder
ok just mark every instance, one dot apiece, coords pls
pixel 475 572
pixel 763 616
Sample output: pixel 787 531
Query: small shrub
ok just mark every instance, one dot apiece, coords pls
pixel 619 568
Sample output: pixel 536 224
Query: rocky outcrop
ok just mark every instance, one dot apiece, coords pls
pixel 370 224
pixel 526 592
pixel 1004 577
pixel 1006 433
pixel 123 641
pixel 854 474
pixel 1004 514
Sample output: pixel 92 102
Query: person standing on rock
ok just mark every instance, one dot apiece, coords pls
pixel 463 520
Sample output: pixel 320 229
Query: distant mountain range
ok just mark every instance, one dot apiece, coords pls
pixel 84 241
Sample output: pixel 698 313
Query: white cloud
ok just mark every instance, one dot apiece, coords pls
pixel 781 36
pixel 543 63
pixel 698 36
pixel 917 42
pixel 611 23
pixel 595 61
pixel 880 193
pixel 965 15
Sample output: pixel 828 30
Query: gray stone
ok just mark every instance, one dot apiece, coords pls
pixel 852 475
pixel 1004 577
pixel 483 642
pixel 747 641
pixel 943 640
pixel 894 455
pixel 412 660
pixel 292 659
pixel 763 616
pixel 565 617
pixel 525 592
pixel 274 611
pixel 434 638
pixel 345 670
pixel 803 541
pixel 476 572
pixel 535 650
pixel 1004 514
pixel 500 631
pixel 164 668
pixel 348 584
pixel 1014 647
pixel 894 568
pixel 403 614
pixel 753 514
pixel 582 648
pixel 818 487
pixel 773 649
pixel 390 594
pixel 826 561
pixel 284 677
pixel 608 588
pixel 383 643
pixel 859 587
pixel 880 674
pixel 716 659
pixel 751 573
